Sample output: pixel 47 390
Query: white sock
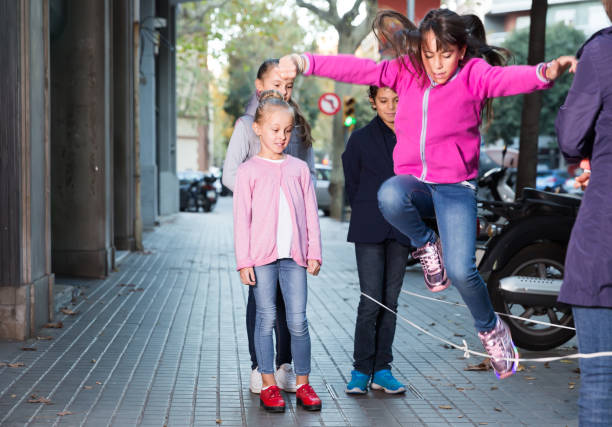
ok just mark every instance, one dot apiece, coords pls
pixel 300 385
pixel 266 387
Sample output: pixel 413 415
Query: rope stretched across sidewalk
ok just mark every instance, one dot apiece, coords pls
pixel 539 322
pixel 467 352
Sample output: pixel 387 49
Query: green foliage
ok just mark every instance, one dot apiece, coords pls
pixel 560 40
pixel 277 37
pixel 363 110
pixel 222 31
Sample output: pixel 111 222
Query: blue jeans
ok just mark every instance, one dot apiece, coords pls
pixel 283 339
pixel 292 278
pixel 594 332
pixel 404 201
pixel 381 268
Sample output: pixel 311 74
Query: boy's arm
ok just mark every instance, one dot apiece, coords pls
pixel 237 153
pixel 351 163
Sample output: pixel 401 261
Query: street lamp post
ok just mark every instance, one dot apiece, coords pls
pixel 410 9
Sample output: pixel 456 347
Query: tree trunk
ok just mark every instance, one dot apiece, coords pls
pixel 532 103
pixel 346 44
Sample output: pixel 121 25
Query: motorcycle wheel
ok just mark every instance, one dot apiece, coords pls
pixel 544 260
pixel 192 205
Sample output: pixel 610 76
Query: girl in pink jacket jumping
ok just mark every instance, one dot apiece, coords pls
pixel 277 238
pixel 443 86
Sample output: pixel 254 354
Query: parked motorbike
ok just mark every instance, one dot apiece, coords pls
pixel 198 193
pixel 208 192
pixel 523 263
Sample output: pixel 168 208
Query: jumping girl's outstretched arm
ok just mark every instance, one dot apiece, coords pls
pixel 346 68
pixel 489 81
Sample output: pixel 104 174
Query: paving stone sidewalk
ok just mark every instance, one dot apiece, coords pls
pixel 162 341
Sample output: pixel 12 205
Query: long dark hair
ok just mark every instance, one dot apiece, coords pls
pixel 399 35
pixel 453 30
pixel 301 124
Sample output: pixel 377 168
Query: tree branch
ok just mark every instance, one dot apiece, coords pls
pixel 333 9
pixel 362 30
pixel 204 11
pixel 331 15
pixel 350 16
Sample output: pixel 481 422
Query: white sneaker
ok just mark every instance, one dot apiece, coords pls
pixel 256 384
pixel 285 378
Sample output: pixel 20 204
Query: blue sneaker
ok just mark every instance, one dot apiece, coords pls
pixel 384 380
pixel 358 383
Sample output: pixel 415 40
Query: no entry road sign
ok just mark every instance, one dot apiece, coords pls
pixel 329 103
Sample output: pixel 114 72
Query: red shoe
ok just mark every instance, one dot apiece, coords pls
pixel 271 399
pixel 307 398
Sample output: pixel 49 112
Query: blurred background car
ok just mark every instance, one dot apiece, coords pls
pixel 322 188
pixel 552 180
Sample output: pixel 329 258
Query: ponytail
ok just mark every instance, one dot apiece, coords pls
pixel 477 47
pixel 398 36
pixel 271 98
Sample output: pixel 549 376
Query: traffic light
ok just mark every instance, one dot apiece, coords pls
pixel 349 112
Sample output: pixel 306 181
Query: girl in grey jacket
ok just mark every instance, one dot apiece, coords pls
pixel 244 144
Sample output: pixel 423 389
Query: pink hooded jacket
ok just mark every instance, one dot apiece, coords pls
pixel 438 139
pixel 256 199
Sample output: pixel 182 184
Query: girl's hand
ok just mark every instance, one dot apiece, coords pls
pixel 583 180
pixel 247 276
pixel 288 67
pixel 558 66
pixel 313 267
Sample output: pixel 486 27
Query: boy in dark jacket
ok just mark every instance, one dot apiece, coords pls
pixel 381 250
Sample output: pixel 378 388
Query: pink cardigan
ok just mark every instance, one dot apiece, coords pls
pixel 256 198
pixel 438 139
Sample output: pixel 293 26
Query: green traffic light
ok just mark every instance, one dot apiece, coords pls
pixel 349 121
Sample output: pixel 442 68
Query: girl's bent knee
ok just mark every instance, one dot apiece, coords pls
pixel 389 197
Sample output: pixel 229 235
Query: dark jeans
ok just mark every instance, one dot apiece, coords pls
pixel 381 268
pixel 283 337
pixel 594 332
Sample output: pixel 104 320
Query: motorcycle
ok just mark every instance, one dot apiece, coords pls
pixel 199 193
pixel 523 264
pixel 208 193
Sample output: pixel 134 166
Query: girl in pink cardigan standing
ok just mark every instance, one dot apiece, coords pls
pixel 277 239
pixel 444 74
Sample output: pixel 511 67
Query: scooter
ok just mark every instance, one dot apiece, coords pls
pixel 208 192
pixel 523 264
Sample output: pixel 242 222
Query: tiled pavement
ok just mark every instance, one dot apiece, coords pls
pixel 170 348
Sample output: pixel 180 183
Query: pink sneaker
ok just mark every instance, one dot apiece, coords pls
pixel 498 344
pixel 430 257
